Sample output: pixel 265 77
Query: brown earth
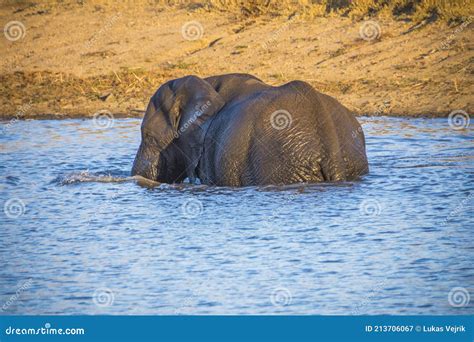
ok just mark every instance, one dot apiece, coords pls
pixel 75 60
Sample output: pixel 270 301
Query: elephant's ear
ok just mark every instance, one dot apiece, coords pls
pixel 198 102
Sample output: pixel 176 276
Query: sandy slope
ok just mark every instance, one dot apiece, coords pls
pixel 75 60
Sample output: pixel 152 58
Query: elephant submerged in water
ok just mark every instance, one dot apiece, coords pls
pixel 235 130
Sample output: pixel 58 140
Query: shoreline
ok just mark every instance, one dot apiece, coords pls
pixel 139 115
pixel 116 62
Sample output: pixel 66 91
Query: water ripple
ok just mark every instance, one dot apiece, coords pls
pixel 395 242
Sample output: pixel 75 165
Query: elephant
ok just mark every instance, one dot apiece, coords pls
pixel 235 130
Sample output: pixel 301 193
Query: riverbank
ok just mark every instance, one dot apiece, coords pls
pixel 76 60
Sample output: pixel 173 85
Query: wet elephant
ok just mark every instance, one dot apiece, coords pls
pixel 235 130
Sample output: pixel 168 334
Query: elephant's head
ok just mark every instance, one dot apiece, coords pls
pixel 174 128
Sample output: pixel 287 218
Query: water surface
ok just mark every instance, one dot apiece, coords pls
pixel 78 236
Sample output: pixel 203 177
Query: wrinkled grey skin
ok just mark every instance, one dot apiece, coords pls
pixel 220 130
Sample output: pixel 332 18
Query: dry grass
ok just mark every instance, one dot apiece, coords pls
pixel 421 69
pixel 416 10
pixel 57 89
pixel 411 10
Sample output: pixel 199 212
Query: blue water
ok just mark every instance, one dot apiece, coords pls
pixel 78 236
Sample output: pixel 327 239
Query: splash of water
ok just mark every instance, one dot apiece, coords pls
pixel 86 176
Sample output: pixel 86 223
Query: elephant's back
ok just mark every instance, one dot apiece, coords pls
pixel 285 146
pixel 283 135
pixel 235 87
pixel 246 144
pixel 302 135
pixel 225 147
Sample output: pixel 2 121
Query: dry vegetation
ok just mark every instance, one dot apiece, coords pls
pixel 415 10
pixel 78 57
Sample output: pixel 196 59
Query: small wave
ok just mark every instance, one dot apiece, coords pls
pixel 122 177
pixel 115 177
pixel 86 176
